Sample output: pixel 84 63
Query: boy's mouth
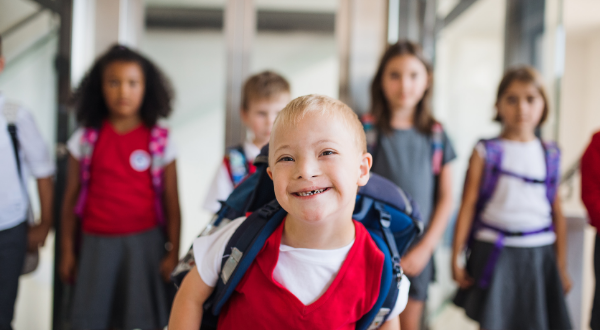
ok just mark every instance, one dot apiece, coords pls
pixel 310 192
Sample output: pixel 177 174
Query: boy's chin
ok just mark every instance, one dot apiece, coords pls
pixel 312 217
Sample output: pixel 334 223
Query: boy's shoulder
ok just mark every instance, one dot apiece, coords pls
pixel 15 112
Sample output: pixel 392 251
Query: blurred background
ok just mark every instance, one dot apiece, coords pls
pixel 331 47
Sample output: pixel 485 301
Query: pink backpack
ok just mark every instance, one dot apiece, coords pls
pixel 158 143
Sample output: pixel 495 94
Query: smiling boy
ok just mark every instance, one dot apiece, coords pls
pixel 319 269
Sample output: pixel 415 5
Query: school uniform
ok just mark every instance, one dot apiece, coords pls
pixel 223 184
pixel 35 161
pixel 525 290
pixel 298 288
pixel 405 158
pixel 118 282
pixel 590 194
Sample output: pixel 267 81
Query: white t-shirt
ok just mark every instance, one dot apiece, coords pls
pixel 35 160
pixel 74 146
pixel 221 186
pixel 306 273
pixel 517 205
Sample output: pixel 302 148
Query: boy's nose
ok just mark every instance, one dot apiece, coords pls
pixel 306 169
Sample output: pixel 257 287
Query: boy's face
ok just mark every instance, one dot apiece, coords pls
pixel 316 167
pixel 260 115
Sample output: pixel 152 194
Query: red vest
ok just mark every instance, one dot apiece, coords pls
pixel 120 198
pixel 259 302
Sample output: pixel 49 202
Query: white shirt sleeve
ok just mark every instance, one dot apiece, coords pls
pixel 402 298
pixel 35 151
pixel 220 188
pixel 480 148
pixel 74 143
pixel 209 250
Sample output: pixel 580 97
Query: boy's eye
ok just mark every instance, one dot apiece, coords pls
pixel 511 100
pixel 286 159
pixel 327 153
pixel 394 75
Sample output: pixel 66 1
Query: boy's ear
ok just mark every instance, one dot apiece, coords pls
pixel 269 172
pixel 243 115
pixel 366 162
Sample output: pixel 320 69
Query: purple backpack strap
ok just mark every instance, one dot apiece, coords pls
pixel 87 143
pixel 552 153
pixel 491 172
pixel 158 143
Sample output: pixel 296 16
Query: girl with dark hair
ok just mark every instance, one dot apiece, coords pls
pixel 122 185
pixel 510 221
pixel 411 148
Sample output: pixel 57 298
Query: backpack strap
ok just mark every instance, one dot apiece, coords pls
pixel 87 144
pixel 237 164
pixel 387 297
pixel 241 250
pixel 10 112
pixel 158 144
pixel 437 147
pixel 552 153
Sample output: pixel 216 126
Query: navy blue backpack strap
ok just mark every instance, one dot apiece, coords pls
pixel 241 250
pixel 388 291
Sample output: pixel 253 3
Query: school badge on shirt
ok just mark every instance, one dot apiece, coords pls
pixel 140 160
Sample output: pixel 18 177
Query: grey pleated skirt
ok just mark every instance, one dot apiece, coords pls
pixel 525 291
pixel 118 283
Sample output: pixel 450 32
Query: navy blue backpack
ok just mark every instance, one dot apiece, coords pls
pixel 390 216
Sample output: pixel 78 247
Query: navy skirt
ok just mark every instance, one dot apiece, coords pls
pixel 118 283
pixel 525 291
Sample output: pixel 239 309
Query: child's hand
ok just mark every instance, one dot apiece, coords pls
pixel 566 280
pixel 415 260
pixel 461 277
pixel 68 268
pixel 36 236
pixel 167 265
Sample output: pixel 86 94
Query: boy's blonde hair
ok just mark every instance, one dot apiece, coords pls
pixel 264 85
pixel 324 106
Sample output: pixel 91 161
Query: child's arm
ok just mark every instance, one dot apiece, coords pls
pixel 392 324
pixel 173 220
pixel 38 233
pixel 465 218
pixel 69 222
pixel 188 305
pixel 560 228
pixel 417 258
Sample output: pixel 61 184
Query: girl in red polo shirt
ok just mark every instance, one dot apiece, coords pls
pixel 122 185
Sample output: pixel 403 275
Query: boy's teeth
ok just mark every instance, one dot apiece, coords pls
pixel 309 193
